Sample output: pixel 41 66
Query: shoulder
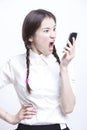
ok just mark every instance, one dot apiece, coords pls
pixel 52 59
pixel 17 57
pixel 17 60
pixel 53 62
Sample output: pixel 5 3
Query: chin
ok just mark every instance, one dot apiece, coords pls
pixel 48 53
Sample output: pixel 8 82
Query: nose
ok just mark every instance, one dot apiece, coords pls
pixel 53 34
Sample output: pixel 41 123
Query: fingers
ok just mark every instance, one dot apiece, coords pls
pixel 27 111
pixel 69 47
pixel 69 44
pixel 69 53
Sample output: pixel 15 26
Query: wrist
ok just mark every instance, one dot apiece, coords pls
pixel 10 118
pixel 63 71
pixel 63 68
pixel 13 119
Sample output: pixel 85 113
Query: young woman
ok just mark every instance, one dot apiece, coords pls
pixel 40 79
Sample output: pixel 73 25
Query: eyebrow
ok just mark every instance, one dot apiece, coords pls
pixel 49 27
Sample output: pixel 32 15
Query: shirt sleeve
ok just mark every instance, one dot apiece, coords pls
pixel 6 76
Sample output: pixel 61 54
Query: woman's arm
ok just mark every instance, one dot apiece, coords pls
pixel 26 112
pixel 5 115
pixel 67 95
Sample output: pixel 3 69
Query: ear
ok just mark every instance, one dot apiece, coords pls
pixel 30 39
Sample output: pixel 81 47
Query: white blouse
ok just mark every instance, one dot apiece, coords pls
pixel 44 80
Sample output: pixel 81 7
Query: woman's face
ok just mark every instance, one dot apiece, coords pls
pixel 43 40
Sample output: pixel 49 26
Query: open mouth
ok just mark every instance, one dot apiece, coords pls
pixel 51 44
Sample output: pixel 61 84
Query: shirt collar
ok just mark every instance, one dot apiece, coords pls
pixel 36 56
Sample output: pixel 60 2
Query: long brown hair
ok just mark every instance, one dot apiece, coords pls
pixel 31 23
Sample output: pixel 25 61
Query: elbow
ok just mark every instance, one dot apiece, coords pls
pixel 67 109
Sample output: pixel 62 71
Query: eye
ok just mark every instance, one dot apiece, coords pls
pixel 54 29
pixel 46 30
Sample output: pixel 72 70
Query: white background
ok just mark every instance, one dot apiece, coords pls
pixel 71 16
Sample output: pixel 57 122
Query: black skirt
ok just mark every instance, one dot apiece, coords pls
pixel 40 127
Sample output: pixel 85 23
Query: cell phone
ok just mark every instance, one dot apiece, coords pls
pixel 73 34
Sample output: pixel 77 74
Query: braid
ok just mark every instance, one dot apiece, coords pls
pixel 55 54
pixel 27 65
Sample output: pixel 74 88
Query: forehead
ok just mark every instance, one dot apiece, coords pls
pixel 48 22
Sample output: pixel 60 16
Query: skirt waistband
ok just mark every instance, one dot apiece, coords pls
pixel 42 127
